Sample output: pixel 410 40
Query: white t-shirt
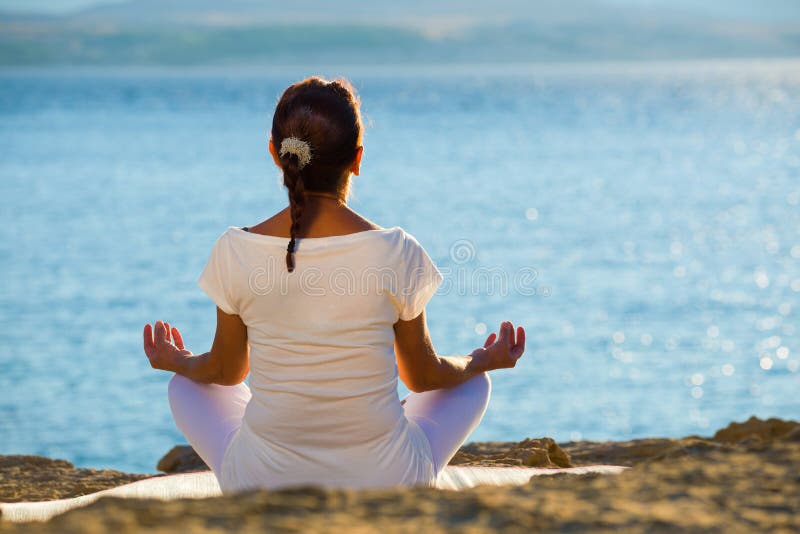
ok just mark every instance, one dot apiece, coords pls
pixel 323 375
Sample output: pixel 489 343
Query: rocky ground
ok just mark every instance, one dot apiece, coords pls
pixel 746 478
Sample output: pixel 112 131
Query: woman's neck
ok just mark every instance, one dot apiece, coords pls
pixel 322 194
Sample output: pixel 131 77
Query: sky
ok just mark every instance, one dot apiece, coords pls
pixel 753 10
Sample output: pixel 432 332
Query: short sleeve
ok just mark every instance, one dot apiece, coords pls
pixel 418 279
pixel 215 278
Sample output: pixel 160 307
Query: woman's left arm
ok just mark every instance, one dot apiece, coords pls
pixel 227 363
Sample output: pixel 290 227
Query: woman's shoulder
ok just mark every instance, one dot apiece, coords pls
pixel 403 248
pixel 403 236
pixel 397 236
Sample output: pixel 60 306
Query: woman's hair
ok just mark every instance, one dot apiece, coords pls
pixel 326 115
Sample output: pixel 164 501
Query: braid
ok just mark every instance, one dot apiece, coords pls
pixel 295 186
pixel 315 136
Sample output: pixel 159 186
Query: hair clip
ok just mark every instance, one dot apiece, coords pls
pixel 298 147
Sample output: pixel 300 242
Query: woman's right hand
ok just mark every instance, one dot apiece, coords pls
pixel 501 351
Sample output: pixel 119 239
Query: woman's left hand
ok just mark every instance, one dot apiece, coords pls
pixel 160 350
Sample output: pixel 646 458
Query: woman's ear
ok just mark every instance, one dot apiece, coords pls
pixel 356 167
pixel 274 153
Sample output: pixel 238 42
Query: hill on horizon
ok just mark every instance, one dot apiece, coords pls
pixel 180 32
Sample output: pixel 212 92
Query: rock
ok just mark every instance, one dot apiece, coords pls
pixel 626 453
pixel 691 446
pixel 756 430
pixel 181 459
pixel 27 463
pixel 542 452
pixel 793 436
pixel 35 478
pixel 754 434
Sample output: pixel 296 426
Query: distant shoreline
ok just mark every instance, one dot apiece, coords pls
pixel 710 66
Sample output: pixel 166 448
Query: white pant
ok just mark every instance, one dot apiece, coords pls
pixel 208 415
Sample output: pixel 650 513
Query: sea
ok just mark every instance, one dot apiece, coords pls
pixel 640 220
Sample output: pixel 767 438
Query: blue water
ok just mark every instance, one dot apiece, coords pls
pixel 642 222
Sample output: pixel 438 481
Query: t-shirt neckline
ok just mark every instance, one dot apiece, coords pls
pixel 315 240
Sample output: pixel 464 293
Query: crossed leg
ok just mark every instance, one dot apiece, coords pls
pixel 208 415
pixel 448 416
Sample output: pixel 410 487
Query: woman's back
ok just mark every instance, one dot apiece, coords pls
pixel 323 374
pixel 324 311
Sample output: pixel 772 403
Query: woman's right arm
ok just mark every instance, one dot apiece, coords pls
pixel 421 369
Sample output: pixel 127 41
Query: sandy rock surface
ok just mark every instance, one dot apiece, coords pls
pixel 35 478
pixel 744 479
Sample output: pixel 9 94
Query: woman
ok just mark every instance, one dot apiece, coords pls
pixel 324 327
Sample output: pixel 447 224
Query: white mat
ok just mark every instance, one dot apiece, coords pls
pixel 204 484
